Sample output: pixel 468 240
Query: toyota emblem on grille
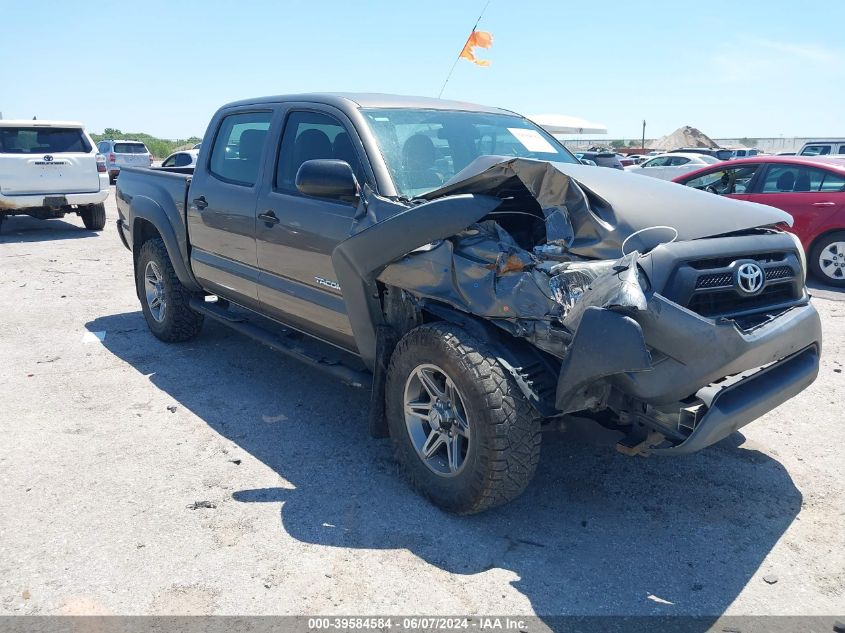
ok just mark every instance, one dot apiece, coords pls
pixel 48 158
pixel 749 278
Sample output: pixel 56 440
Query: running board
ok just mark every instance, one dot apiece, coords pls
pixel 284 344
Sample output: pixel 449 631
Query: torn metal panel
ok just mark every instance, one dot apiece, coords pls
pixel 480 271
pixel 358 259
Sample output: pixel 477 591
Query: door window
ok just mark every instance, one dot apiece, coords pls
pixel 657 162
pixel 725 181
pixel 312 136
pixel 841 149
pixel 169 162
pixel 793 179
pixel 676 161
pixel 238 147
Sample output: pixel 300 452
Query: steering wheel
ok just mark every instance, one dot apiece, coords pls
pixel 711 189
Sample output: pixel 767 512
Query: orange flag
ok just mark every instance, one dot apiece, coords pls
pixel 481 39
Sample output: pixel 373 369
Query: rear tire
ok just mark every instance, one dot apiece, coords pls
pixel 164 300
pixel 827 259
pixel 499 445
pixel 94 217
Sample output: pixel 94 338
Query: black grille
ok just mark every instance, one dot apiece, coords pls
pixel 781 272
pixel 723 262
pixel 719 280
pixel 711 304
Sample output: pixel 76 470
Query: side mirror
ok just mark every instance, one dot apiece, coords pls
pixel 326 178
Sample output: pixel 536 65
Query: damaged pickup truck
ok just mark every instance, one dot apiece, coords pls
pixel 477 278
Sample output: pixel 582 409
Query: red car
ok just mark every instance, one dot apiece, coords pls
pixel 810 188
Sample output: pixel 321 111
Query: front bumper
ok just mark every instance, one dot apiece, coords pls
pixel 665 360
pixel 33 201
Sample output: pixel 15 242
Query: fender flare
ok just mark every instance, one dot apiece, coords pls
pixel 144 208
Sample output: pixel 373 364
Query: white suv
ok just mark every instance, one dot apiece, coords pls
pixel 50 168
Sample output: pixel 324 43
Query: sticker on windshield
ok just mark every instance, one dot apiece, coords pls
pixel 532 140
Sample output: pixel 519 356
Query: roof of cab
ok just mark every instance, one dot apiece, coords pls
pixel 38 123
pixel 356 100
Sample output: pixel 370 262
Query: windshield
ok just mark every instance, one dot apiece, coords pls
pixel 425 148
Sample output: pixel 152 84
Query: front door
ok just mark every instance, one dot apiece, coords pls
pixel 296 234
pixel 221 208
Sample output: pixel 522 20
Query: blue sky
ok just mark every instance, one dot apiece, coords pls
pixel 731 68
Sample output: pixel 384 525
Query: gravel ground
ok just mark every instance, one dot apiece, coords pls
pixel 109 445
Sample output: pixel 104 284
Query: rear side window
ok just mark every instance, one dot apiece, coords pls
pixel 40 140
pixel 309 136
pixel 238 147
pixel 130 148
pixel 833 182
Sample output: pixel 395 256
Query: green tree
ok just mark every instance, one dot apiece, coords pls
pixel 618 144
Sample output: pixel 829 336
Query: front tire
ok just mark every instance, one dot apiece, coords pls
pixel 164 300
pixel 463 432
pixel 827 259
pixel 94 217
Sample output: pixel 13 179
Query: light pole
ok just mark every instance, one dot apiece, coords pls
pixel 643 134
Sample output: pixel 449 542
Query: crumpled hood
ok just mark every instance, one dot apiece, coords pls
pixel 603 207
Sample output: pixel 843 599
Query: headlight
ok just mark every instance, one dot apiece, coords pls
pixel 801 255
pixel 571 279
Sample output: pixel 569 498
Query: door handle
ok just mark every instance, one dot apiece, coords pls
pixel 200 203
pixel 269 217
pixel 824 204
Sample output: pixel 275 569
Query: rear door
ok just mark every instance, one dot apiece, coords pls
pixel 812 195
pixel 296 234
pixel 39 159
pixel 131 154
pixel 221 205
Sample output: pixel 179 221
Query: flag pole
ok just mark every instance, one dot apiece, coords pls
pixel 457 59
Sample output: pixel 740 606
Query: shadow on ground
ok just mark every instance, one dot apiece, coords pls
pixel 22 228
pixel 596 533
pixel 817 288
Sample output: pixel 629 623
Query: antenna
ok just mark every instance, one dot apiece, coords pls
pixel 457 59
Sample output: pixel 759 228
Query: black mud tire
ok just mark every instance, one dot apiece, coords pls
pixel 815 255
pixel 504 446
pixel 94 217
pixel 179 322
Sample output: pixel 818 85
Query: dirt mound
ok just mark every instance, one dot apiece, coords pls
pixel 686 136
